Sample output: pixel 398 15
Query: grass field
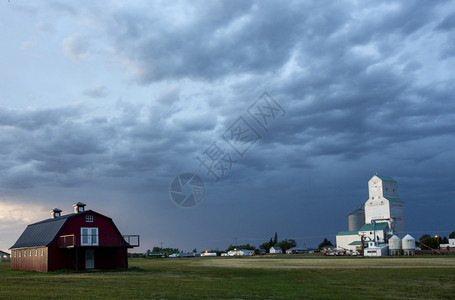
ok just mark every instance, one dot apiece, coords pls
pixel 283 277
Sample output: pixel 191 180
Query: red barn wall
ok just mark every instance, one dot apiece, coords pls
pixel 57 258
pixel 110 252
pixel 32 261
pixel 107 231
pixel 105 258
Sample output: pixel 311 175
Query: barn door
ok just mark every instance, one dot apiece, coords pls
pixel 89 259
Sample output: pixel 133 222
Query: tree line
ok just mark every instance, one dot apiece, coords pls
pixel 428 241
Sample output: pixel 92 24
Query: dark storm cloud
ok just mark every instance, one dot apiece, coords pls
pixel 217 39
pixel 36 119
pixel 64 147
pixel 43 144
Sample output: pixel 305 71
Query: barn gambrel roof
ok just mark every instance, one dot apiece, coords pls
pixel 41 233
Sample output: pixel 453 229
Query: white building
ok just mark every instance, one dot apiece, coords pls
pixel 376 249
pixel 275 250
pixel 351 240
pixel 297 250
pixel 384 216
pixel 383 204
pixel 206 253
pixel 375 232
pixel 348 240
pixel 240 252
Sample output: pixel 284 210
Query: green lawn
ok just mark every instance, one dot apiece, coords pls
pixel 244 278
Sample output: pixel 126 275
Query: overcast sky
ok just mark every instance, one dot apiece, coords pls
pixel 107 102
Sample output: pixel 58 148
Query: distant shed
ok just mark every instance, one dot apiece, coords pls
pixel 275 250
pixel 4 256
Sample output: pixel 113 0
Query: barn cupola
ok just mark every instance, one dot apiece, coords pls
pixel 79 207
pixel 55 213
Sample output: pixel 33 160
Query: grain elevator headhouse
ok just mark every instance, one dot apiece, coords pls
pixel 383 204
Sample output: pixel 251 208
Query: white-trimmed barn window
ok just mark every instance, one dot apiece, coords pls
pixel 89 218
pixel 89 236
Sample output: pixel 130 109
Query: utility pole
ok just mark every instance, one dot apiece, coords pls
pixel 161 243
pixel 374 231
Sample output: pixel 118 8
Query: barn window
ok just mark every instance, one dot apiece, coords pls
pixel 25 253
pixel 30 252
pixel 19 253
pixel 89 218
pixel 89 236
pixel 42 252
pixel 14 253
pixel 36 252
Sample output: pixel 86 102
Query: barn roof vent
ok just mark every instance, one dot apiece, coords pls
pixel 79 207
pixel 55 213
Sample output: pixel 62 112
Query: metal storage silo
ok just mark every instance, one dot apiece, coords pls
pixel 409 245
pixel 394 245
pixel 356 219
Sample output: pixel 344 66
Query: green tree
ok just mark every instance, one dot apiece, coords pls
pixel 170 251
pixel 275 239
pixel 428 241
pixel 165 250
pixel 325 242
pixel 267 245
pixel 444 240
pixel 286 244
pixel 425 236
pixel 452 235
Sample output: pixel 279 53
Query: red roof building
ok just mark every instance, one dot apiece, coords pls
pixel 82 240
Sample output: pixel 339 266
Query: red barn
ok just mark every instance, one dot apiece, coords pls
pixel 82 240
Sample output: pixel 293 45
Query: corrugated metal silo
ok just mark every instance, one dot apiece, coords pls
pixel 395 245
pixel 356 219
pixel 409 245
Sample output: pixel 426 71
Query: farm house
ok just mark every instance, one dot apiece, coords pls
pixel 82 240
pixel 275 250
